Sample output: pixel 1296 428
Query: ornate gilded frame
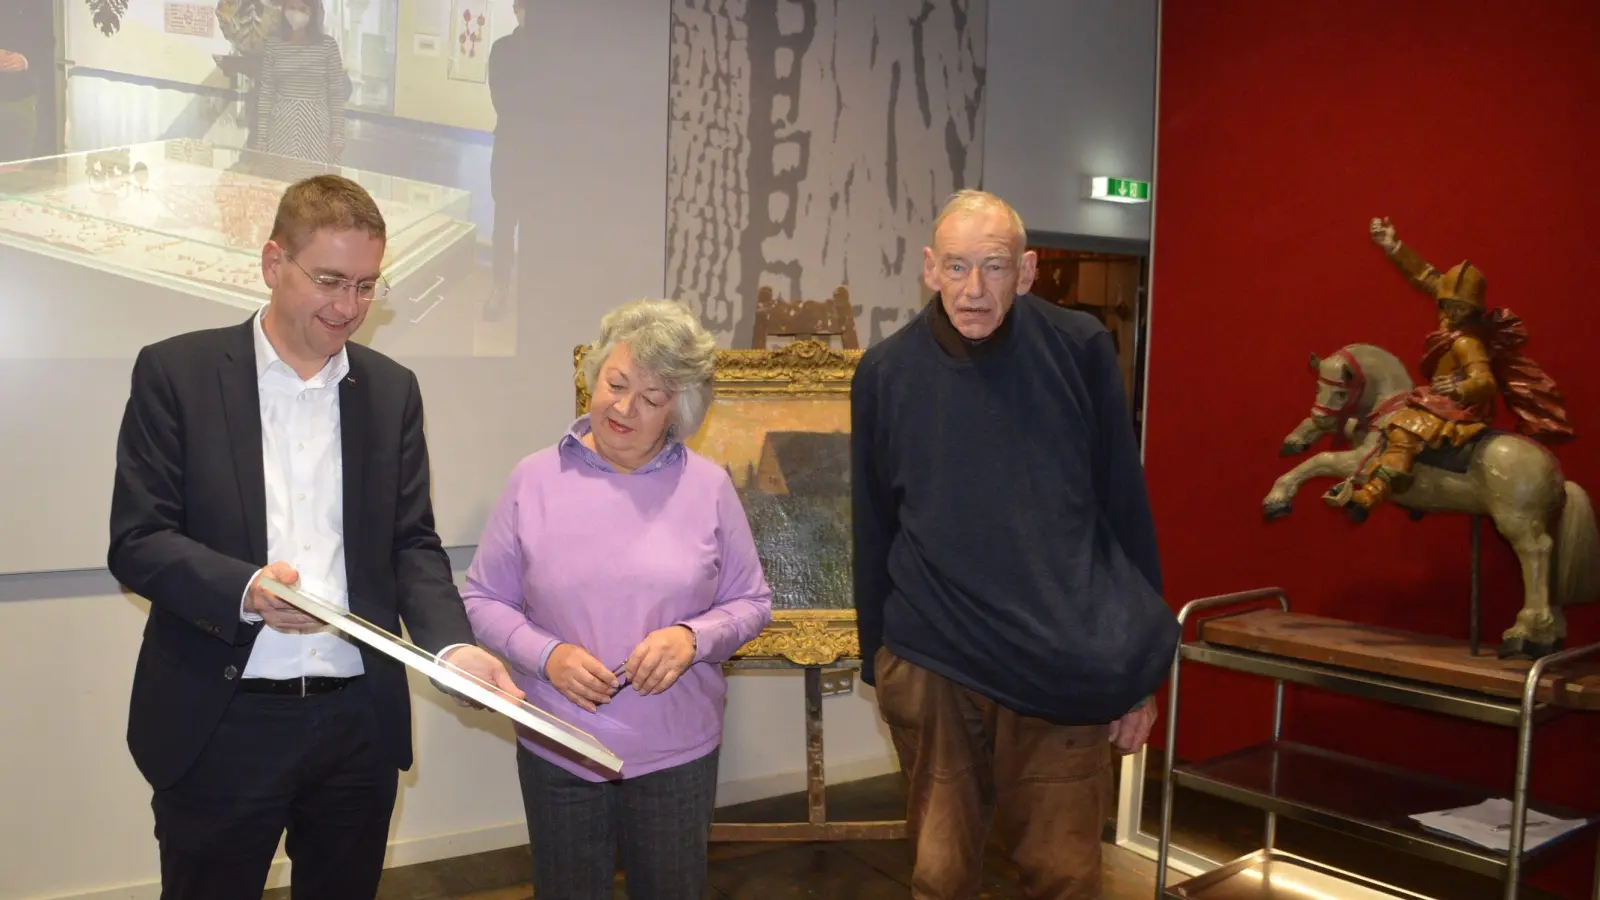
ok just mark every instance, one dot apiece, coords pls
pixel 806 369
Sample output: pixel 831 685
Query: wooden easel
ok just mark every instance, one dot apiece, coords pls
pixel 819 319
pixel 795 319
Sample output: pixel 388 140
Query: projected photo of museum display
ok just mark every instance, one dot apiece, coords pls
pixel 165 237
pixel 521 175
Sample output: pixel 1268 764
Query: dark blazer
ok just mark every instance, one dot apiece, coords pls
pixel 512 74
pixel 189 530
pixel 28 27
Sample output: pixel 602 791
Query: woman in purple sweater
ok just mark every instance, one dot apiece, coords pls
pixel 615 575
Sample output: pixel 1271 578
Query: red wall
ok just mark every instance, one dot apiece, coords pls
pixel 1283 129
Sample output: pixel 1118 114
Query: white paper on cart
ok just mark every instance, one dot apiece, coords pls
pixel 1488 824
pixel 448 676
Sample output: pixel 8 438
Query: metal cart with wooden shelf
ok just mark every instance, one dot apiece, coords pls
pixel 1242 632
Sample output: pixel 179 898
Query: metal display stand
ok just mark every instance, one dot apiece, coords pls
pixel 1343 793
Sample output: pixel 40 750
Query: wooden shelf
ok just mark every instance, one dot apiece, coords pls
pixel 1356 797
pixel 1477 707
pixel 1403 655
pixel 1274 875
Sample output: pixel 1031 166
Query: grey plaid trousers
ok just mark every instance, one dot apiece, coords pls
pixel 660 823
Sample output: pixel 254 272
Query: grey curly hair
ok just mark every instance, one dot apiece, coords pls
pixel 667 340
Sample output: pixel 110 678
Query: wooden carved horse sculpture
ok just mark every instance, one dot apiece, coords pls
pixel 1512 479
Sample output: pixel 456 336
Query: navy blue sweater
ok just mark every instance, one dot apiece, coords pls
pixel 1002 533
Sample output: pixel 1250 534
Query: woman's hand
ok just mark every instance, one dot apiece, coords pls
pixel 579 676
pixel 660 658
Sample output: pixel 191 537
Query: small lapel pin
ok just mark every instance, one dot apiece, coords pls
pixel 351 380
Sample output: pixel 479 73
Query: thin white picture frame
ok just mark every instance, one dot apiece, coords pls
pixel 449 677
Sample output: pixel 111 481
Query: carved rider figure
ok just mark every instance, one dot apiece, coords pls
pixel 1471 357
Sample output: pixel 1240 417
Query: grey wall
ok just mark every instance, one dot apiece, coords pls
pixel 1071 94
pixel 811 145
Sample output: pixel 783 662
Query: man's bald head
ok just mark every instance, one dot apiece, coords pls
pixel 979 261
pixel 981 203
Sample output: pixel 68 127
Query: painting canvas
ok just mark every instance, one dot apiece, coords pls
pixel 779 424
pixel 790 462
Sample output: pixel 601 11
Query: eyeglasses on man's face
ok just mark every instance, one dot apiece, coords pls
pixel 332 286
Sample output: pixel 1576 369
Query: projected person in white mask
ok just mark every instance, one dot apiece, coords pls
pixel 300 108
pixel 278 447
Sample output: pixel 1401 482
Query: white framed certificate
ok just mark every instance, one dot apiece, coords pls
pixel 467 685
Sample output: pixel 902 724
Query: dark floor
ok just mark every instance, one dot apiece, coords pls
pixel 867 870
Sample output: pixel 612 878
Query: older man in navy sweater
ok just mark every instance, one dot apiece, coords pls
pixel 1007 584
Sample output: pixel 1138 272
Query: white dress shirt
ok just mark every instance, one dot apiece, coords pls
pixel 304 466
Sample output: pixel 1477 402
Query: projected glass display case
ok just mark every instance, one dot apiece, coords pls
pixel 167 236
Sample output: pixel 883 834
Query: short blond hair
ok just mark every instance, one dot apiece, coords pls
pixel 970 202
pixel 667 340
pixel 325 201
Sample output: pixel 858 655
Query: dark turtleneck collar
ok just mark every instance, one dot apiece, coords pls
pixel 953 343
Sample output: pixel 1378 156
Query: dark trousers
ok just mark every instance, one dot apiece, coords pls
pixel 511 205
pixel 308 765
pixel 970 762
pixel 19 125
pixel 661 821
pixel 506 219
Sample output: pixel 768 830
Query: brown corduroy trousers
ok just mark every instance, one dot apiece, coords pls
pixel 972 762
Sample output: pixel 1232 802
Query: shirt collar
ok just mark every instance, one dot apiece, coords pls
pixel 266 358
pixel 572 445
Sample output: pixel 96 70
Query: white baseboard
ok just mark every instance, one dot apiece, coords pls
pixel 144 890
pixel 400 853
pixel 449 846
pixel 730 793
pixel 513 834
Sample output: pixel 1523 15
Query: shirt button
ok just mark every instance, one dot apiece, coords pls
pixel 299 446
pixel 305 546
pixel 300 496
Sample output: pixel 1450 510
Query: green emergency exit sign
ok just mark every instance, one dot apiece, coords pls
pixel 1120 190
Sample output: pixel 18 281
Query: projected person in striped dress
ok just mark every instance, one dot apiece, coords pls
pixel 303 89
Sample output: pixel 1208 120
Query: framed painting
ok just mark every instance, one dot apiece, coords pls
pixel 779 423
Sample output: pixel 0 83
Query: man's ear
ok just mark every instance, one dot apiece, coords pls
pixel 272 257
pixel 930 270
pixel 1027 272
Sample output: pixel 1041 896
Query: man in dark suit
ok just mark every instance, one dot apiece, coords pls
pixel 27 87
pixel 511 73
pixel 276 447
